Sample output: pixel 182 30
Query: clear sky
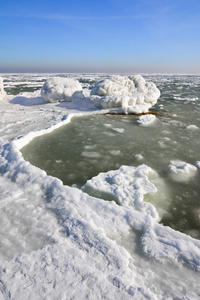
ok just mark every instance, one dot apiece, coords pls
pixel 160 36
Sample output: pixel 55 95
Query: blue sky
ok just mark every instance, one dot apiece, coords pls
pixel 136 36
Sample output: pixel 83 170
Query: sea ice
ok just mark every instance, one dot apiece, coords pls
pixel 125 94
pixel 128 185
pixel 2 92
pixel 197 164
pixel 192 127
pixel 146 119
pixel 119 130
pixel 61 89
pixel 181 171
pixel 139 156
pixel 105 251
pixel 91 154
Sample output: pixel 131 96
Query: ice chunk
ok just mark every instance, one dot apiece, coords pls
pixel 61 89
pixel 125 94
pixel 181 171
pixel 192 127
pixel 146 119
pixel 90 154
pixel 2 92
pixel 119 130
pixel 139 156
pixel 129 185
pixel 197 164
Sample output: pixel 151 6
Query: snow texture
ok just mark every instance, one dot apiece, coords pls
pixel 125 94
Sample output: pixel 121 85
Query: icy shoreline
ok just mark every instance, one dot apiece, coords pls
pixel 106 251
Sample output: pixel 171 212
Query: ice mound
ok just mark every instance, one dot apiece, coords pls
pixel 125 94
pixel 181 171
pixel 129 185
pixel 61 89
pixel 2 92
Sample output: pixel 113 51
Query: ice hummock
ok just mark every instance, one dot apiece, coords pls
pixel 2 92
pixel 118 94
pixel 59 89
pixel 125 94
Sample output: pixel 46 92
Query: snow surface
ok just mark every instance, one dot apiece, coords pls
pixel 125 94
pixel 91 249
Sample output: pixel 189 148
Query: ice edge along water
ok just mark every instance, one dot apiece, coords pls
pixel 154 241
pixel 88 238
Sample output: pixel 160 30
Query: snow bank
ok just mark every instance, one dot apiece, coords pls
pixel 2 92
pixel 61 89
pixel 181 171
pixel 125 94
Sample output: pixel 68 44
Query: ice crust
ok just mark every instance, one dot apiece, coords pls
pixel 125 94
pixel 59 89
pixel 2 92
pixel 98 249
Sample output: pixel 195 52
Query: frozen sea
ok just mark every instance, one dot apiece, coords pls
pixel 77 225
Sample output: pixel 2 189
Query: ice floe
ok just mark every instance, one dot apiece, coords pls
pixel 128 185
pixel 145 120
pixel 181 171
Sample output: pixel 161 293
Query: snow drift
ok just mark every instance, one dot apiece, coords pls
pixel 125 94
pixel 2 92
pixel 59 89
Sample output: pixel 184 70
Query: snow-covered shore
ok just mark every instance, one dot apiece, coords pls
pixel 74 246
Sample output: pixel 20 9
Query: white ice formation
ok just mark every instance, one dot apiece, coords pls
pixel 2 92
pixel 58 89
pixel 125 94
pixel 181 171
pixel 197 164
pixel 146 120
pixel 128 185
